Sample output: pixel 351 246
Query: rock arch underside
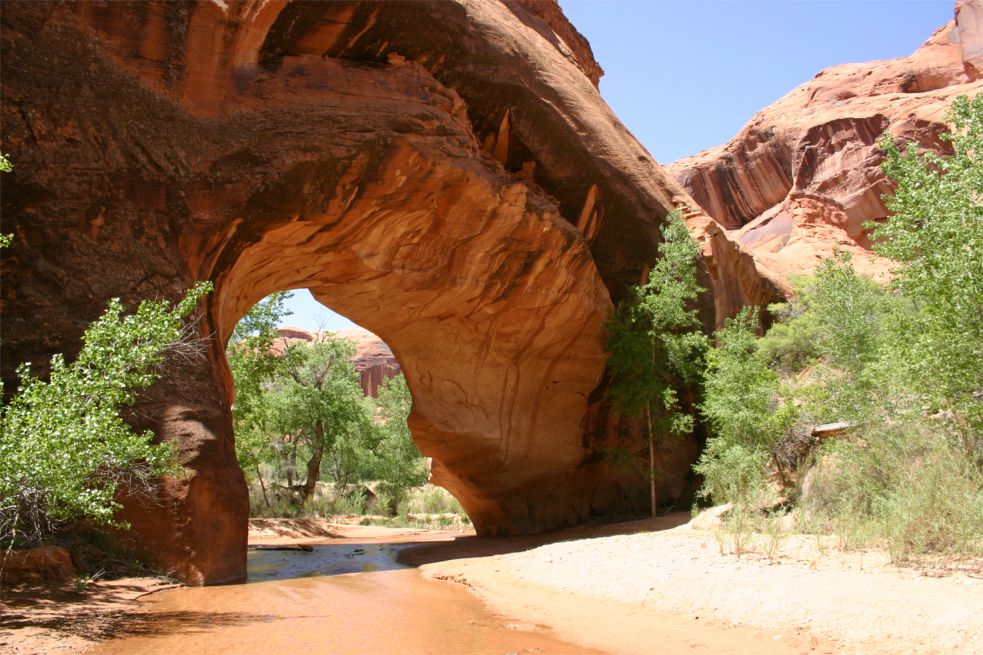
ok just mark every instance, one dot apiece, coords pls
pixel 444 173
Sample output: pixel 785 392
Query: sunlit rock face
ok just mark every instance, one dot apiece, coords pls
pixel 803 176
pixel 374 360
pixel 443 173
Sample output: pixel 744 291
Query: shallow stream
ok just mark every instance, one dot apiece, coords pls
pixel 344 597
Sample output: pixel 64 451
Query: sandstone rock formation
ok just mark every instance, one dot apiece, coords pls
pixel 41 565
pixel 803 176
pixel 444 173
pixel 373 360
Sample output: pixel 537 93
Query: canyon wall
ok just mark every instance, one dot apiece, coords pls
pixel 374 360
pixel 803 176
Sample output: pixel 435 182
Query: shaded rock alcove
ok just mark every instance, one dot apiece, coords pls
pixel 444 173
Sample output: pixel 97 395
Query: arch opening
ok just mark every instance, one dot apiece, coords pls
pixel 320 421
pixel 488 298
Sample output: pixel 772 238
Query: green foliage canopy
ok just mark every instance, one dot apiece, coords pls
pixel 65 451
pixel 741 402
pixel 654 336
pixel 254 364
pixel 935 233
pixel 400 465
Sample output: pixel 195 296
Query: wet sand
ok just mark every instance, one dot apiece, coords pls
pixel 653 586
pixel 346 597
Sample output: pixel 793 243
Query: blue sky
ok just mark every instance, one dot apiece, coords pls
pixel 685 75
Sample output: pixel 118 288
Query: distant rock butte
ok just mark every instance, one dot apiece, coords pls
pixel 373 360
pixel 803 176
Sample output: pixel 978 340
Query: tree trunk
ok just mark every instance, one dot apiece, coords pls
pixel 648 417
pixel 262 485
pixel 313 473
pixel 314 463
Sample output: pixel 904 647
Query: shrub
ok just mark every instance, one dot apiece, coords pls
pixel 745 411
pixel 65 451
pixel 909 486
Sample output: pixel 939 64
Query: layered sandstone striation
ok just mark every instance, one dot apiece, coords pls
pixel 444 173
pixel 803 176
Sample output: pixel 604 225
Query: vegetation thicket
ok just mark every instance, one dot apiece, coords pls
pixel 901 365
pixel 65 450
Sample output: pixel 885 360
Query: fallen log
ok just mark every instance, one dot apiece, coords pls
pixel 828 430
pixel 304 547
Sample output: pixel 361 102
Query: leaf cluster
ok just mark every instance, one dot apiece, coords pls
pixel 654 338
pixel 65 450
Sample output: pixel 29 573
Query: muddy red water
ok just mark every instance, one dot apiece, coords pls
pixel 340 598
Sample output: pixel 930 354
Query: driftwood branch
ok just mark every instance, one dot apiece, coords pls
pixel 828 430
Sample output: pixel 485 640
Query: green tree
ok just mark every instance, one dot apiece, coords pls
pixel 935 233
pixel 836 325
pixel 254 364
pixel 655 342
pixel 317 401
pixel 741 399
pixel 400 465
pixel 65 451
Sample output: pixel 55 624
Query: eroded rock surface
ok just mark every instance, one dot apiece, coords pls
pixel 444 173
pixel 803 176
pixel 374 359
pixel 42 565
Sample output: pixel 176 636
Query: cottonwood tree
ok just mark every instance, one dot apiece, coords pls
pixel 317 402
pixel 65 450
pixel 935 233
pixel 400 465
pixel 655 342
pixel 254 365
pixel 739 396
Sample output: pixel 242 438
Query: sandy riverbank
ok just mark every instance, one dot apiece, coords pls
pixel 618 592
pixel 656 585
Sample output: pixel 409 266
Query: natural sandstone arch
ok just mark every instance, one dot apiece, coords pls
pixel 445 173
pixel 487 297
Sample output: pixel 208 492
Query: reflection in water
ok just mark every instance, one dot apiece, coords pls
pixel 339 598
pixel 327 559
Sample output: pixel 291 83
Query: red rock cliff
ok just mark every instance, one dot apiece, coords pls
pixel 373 359
pixel 803 176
